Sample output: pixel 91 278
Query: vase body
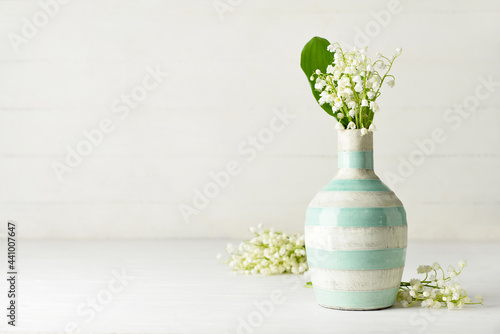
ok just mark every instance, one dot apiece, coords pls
pixel 355 233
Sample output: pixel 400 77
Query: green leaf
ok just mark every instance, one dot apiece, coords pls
pixel 315 56
pixel 308 285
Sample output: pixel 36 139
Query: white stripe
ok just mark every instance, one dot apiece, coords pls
pixel 355 238
pixel 355 199
pixel 351 140
pixel 356 280
pixel 355 174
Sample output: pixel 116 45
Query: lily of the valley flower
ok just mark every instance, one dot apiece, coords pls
pixel 374 106
pixel 351 125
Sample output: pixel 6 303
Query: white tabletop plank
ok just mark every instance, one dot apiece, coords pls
pixel 177 286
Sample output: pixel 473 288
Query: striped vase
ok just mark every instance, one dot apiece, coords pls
pixel 355 233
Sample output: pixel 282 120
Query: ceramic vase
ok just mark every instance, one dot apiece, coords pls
pixel 355 233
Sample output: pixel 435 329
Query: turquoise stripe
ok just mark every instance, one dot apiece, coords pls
pixel 356 299
pixel 356 159
pixel 356 185
pixel 352 217
pixel 356 260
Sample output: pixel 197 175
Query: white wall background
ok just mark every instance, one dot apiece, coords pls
pixel 226 76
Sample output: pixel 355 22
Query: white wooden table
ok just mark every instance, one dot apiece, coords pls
pixel 177 286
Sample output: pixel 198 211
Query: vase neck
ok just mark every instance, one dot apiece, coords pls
pixel 355 151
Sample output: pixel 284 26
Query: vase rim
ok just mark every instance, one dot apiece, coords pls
pixel 353 130
pixel 352 140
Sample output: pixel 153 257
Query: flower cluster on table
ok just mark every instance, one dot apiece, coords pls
pixel 269 252
pixel 436 290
